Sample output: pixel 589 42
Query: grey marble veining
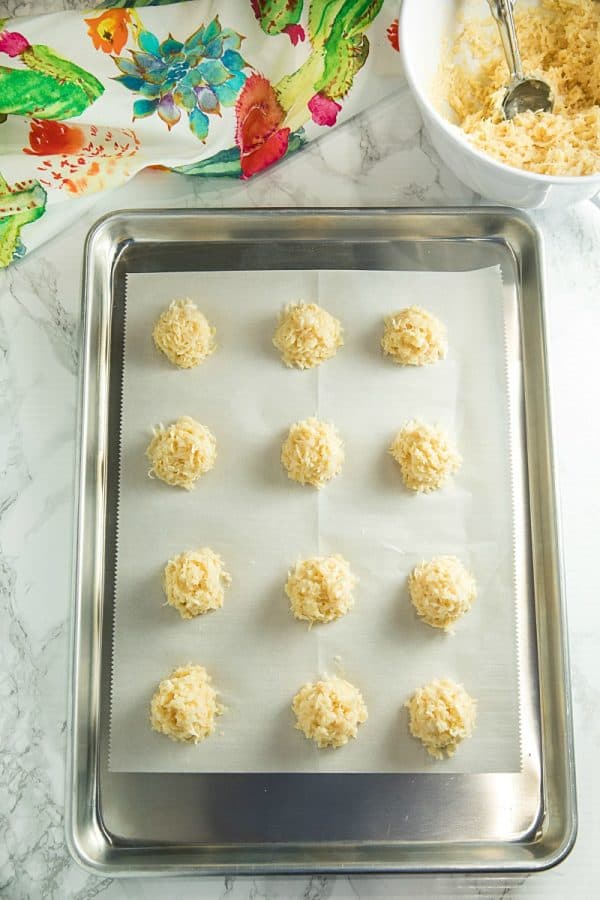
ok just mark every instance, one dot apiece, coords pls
pixel 35 7
pixel 382 158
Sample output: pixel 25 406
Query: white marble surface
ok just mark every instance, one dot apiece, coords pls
pixel 381 158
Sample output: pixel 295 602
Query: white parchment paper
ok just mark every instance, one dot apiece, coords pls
pixel 247 510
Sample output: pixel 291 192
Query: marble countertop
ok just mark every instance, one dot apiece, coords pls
pixel 381 158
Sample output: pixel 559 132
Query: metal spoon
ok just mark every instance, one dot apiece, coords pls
pixel 523 93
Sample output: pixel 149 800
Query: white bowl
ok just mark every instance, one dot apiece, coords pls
pixel 424 26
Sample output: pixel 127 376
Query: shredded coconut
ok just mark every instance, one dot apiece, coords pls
pixel 559 41
pixel 194 582
pixel 414 337
pixel 320 589
pixel 441 591
pixel 307 335
pixel 425 456
pixel 313 452
pixel 182 453
pixel 441 715
pixel 183 334
pixel 329 712
pixel 185 705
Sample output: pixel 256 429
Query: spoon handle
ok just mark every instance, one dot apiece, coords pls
pixel 502 11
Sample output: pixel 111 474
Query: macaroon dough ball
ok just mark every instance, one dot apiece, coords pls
pixel 182 453
pixel 320 589
pixel 313 452
pixel 329 712
pixel 184 335
pixel 441 715
pixel 307 335
pixel 185 705
pixel 425 455
pixel 194 582
pixel 414 337
pixel 441 591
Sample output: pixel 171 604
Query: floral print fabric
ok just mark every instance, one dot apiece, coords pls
pixel 201 87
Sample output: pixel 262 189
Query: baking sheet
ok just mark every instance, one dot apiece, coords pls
pixel 260 522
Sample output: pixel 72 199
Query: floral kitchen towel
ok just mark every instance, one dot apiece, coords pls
pixel 202 87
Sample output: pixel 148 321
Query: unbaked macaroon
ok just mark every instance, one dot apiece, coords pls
pixel 329 712
pixel 441 715
pixel 441 591
pixel 182 453
pixel 426 456
pixel 414 337
pixel 194 582
pixel 307 335
pixel 320 588
pixel 313 452
pixel 184 335
pixel 185 705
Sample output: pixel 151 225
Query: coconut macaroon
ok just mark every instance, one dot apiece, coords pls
pixel 441 715
pixel 329 712
pixel 182 453
pixel 313 452
pixel 425 455
pixel 441 591
pixel 414 337
pixel 307 335
pixel 320 589
pixel 194 582
pixel 185 705
pixel 184 335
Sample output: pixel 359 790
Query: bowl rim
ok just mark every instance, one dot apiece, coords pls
pixel 454 132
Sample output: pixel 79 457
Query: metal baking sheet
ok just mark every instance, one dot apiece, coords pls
pixel 123 822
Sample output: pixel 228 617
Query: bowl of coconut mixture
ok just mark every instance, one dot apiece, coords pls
pixel 455 67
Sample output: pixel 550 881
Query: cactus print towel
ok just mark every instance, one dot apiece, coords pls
pixel 201 87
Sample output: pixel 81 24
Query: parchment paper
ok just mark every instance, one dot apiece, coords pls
pixel 247 510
